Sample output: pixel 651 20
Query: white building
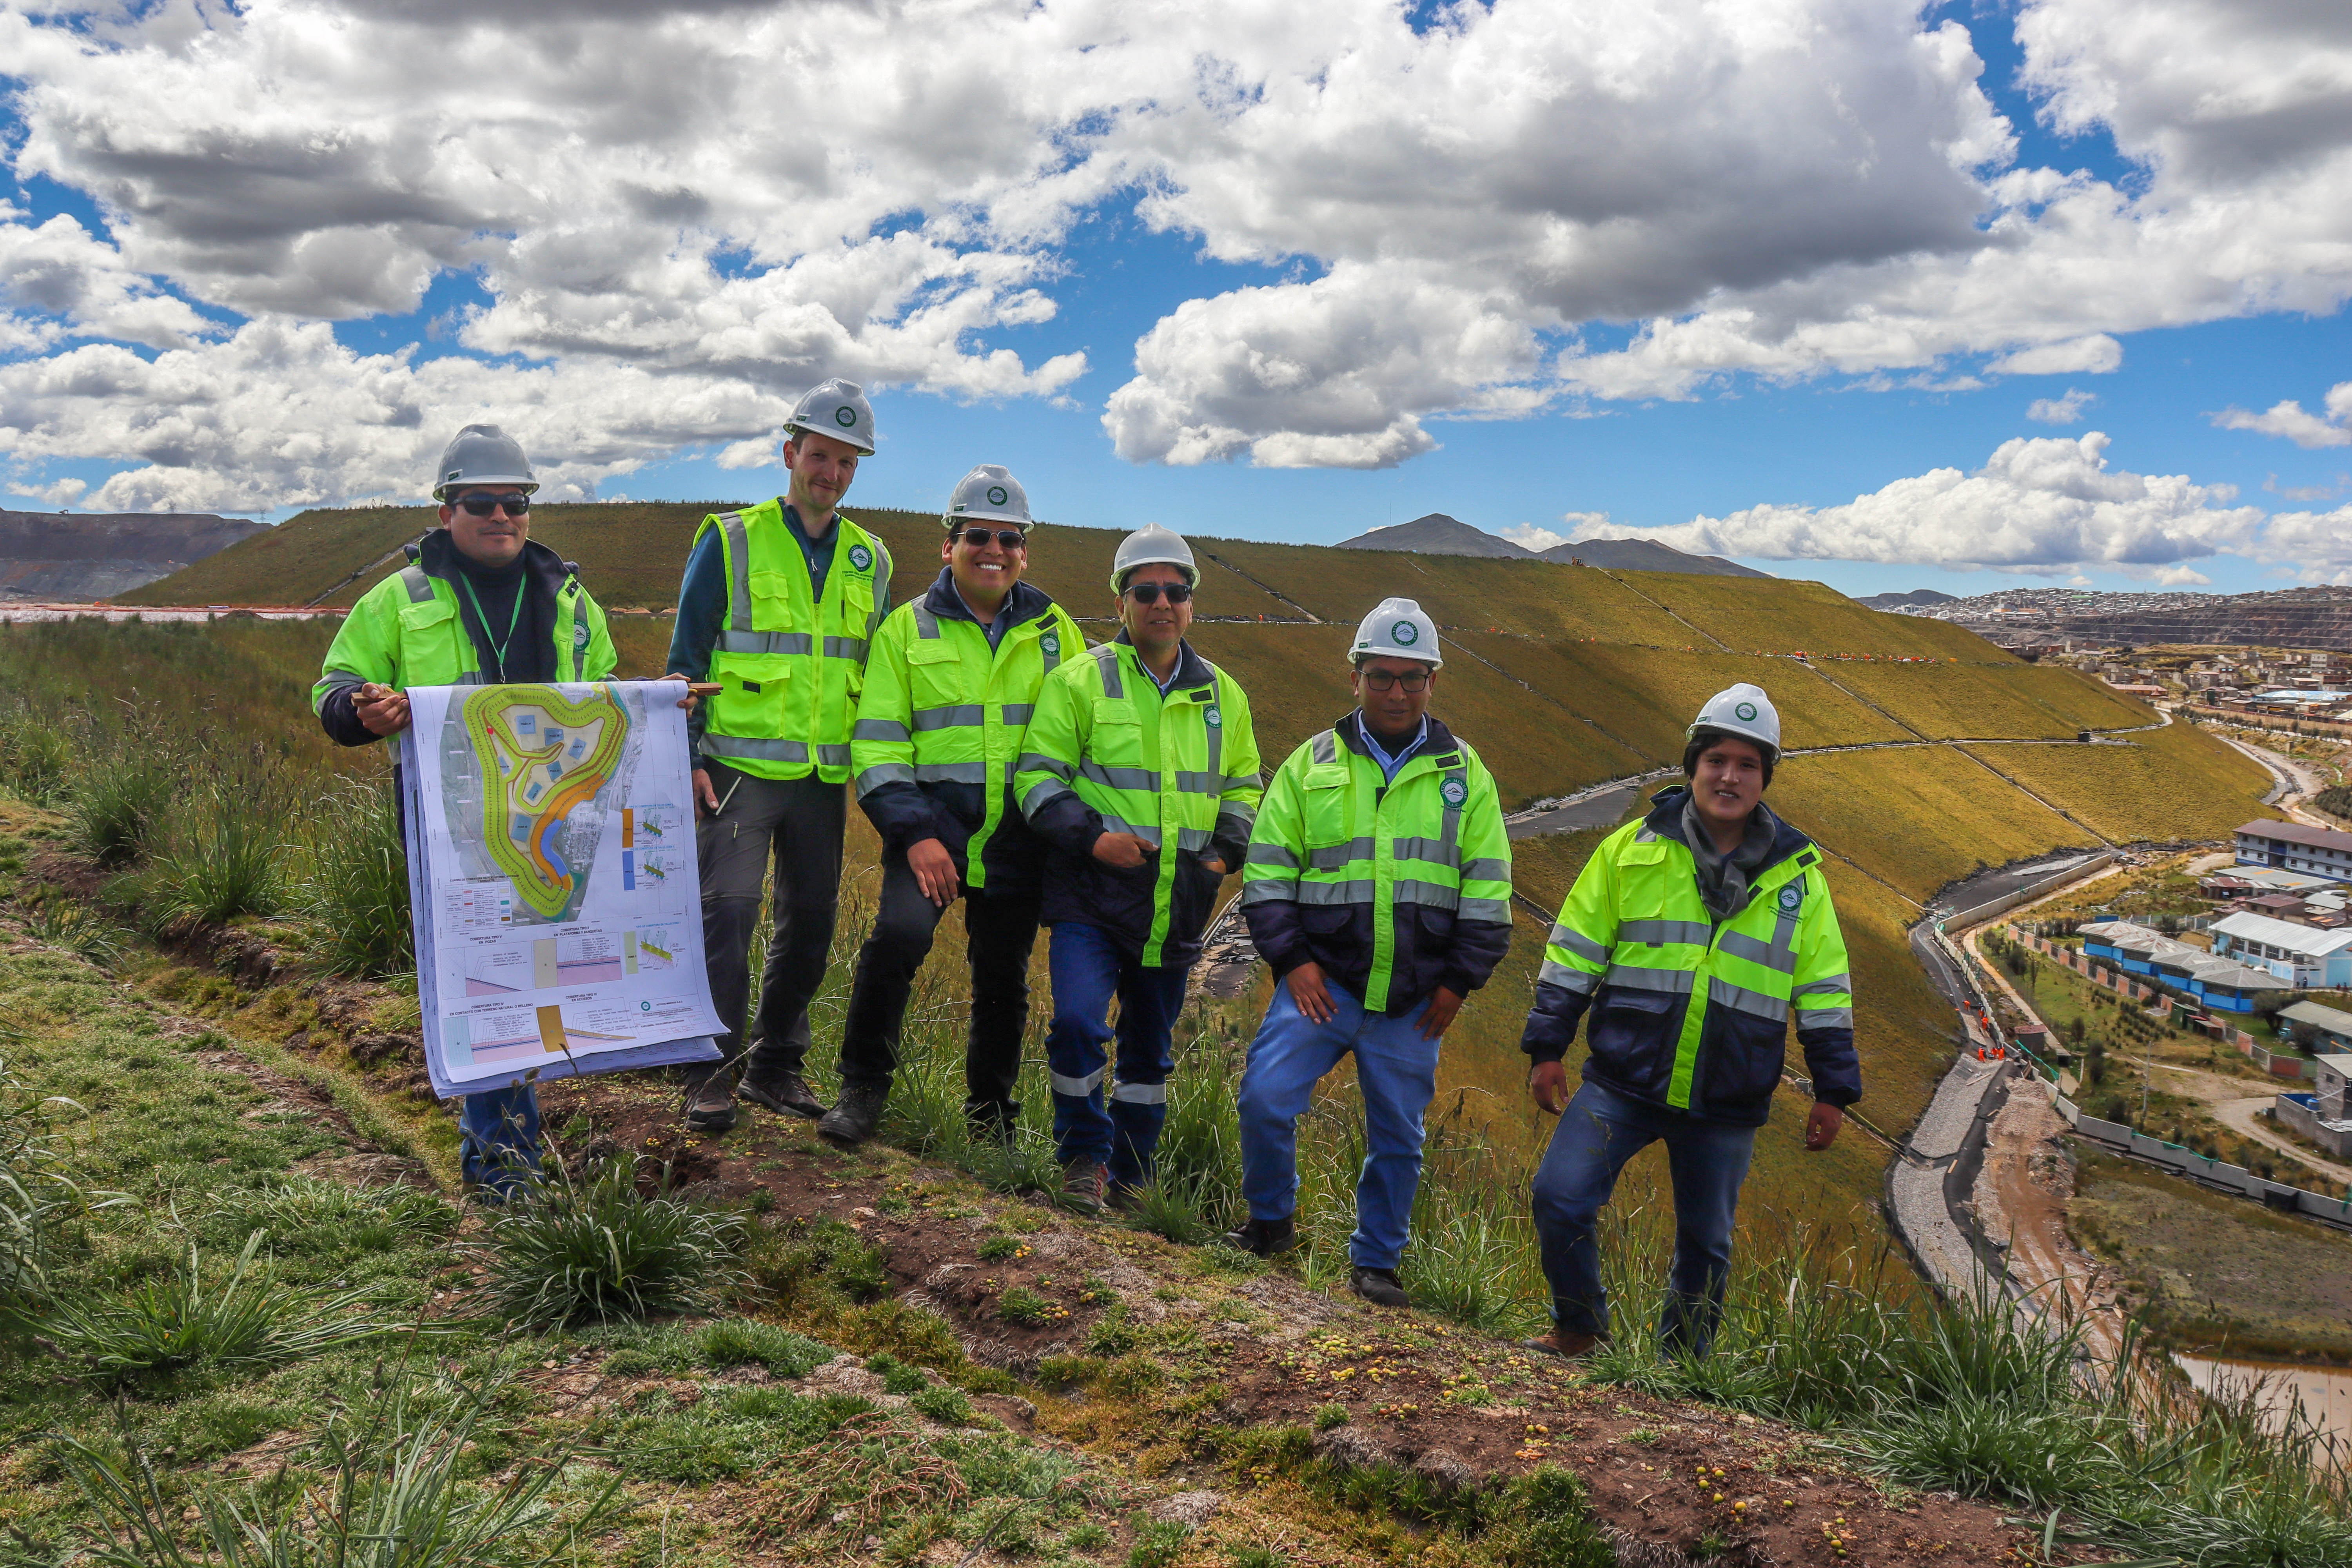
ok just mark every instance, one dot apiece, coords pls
pixel 2303 956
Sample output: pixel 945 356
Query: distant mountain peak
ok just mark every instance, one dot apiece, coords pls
pixel 1436 534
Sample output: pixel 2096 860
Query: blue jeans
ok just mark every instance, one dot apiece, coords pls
pixel 1396 1069
pixel 1089 967
pixel 500 1127
pixel 1599 1131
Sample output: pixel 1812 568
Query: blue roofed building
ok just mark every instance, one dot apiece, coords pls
pixel 2215 981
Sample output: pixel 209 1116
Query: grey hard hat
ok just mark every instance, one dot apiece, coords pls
pixel 482 455
pixel 1150 545
pixel 835 408
pixel 988 494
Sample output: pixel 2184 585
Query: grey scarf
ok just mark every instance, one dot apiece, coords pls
pixel 1723 878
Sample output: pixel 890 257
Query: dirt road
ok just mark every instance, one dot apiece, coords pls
pixel 2020 1201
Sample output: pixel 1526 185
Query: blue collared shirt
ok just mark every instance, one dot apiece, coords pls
pixel 1403 754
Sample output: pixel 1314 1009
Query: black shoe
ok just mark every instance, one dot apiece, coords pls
pixel 1378 1285
pixel 708 1106
pixel 993 1123
pixel 851 1122
pixel 1266 1238
pixel 785 1093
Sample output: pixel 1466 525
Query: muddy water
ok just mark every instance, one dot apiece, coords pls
pixel 2323 1394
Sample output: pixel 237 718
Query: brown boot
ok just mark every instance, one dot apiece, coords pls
pixel 1083 1185
pixel 1566 1343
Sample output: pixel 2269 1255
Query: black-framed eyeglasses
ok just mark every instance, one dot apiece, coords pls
pixel 517 504
pixel 1389 679
pixel 1008 538
pixel 1149 593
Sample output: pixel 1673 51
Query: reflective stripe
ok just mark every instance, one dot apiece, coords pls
pixel 1243 780
pixel 1443 851
pixel 1486 871
pixel 1075 1087
pixel 1139 1094
pixel 1567 979
pixel 1200 784
pixel 879 730
pixel 795 643
pixel 1828 985
pixel 1244 817
pixel 1627 978
pixel 1106 661
pixel 952 773
pixel 961 716
pixel 1194 838
pixel 1039 794
pixel 719 745
pixel 738 582
pixel 881 589
pixel 1769 954
pixel 1658 933
pixel 1324 748
pixel 1428 895
pixel 845 647
pixel 1038 761
pixel 927 624
pixel 1269 891
pixel 1016 713
pixel 1332 857
pixel 1825 1017
pixel 832 756
pixel 1722 993
pixel 1142 779
pixel 1146 831
pixel 1493 912
pixel 1264 854
pixel 1577 942
pixel 1355 892
pixel 882 773
pixel 419 585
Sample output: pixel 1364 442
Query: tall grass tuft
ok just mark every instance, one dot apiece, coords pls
pixel 357 882
pixel 222 859
pixel 586 1246
pixel 37 1196
pixel 122 793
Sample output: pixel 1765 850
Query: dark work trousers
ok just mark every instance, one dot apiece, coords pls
pixel 801 820
pixel 1000 933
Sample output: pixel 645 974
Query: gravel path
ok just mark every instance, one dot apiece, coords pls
pixel 1917 1190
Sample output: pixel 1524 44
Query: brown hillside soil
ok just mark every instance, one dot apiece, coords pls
pixel 1266 1350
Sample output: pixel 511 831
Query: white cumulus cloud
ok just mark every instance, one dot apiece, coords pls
pixel 2066 410
pixel 2288 419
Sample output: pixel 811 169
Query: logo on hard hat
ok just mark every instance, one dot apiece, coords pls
pixel 1455 791
pixel 1051 643
pixel 996 496
pixel 1746 710
pixel 1404 633
pixel 1790 897
pixel 846 416
pixel 1215 717
pixel 860 557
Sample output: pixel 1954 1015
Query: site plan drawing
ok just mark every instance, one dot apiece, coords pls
pixel 550 844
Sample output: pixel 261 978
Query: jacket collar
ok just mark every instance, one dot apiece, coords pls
pixel 1191 670
pixel 1665 820
pixel 1025 601
pixel 437 554
pixel 1439 744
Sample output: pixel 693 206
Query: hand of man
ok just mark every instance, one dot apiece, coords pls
pixel 1124 850
pixel 690 700
pixel 1212 865
pixel 384 711
pixel 1439 1017
pixel 1548 1081
pixel 1821 1127
pixel 1308 990
pixel 934 870
pixel 704 795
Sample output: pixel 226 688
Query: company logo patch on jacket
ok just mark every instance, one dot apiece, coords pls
pixel 1215 717
pixel 1792 895
pixel 579 634
pixel 1453 790
pixel 859 556
pixel 1051 643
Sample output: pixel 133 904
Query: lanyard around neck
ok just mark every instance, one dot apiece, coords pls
pixel 513 620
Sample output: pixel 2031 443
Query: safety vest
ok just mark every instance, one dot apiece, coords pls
pixel 791 667
pixel 941 707
pixel 1703 1004
pixel 1333 832
pixel 1169 770
pixel 407 631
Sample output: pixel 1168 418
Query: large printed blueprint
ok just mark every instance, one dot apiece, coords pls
pixel 551 868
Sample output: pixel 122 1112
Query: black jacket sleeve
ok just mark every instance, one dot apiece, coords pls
pixel 1068 824
pixel 1551 1026
pixel 903 814
pixel 1275 932
pixel 340 718
pixel 1478 947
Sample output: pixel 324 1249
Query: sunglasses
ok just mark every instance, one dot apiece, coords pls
pixel 1149 593
pixel 1389 679
pixel 1007 538
pixel 517 504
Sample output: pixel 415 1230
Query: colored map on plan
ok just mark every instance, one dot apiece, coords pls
pixel 545 759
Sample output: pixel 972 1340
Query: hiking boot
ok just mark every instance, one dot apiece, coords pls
pixel 1565 1343
pixel 1378 1285
pixel 785 1093
pixel 1083 1184
pixel 992 1124
pixel 852 1119
pixel 1264 1238
pixel 708 1106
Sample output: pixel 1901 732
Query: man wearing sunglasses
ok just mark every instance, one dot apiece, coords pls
pixel 1379 891
pixel 1141 772
pixel 776 609
pixel 477 604
pixel 949 686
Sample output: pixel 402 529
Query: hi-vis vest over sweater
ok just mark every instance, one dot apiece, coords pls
pixel 1107 753
pixel 790 666
pixel 1391 889
pixel 1686 1012
pixel 941 727
pixel 409 630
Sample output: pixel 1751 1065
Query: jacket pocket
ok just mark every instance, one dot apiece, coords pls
pixel 1191 898
pixel 1744 1056
pixel 1632 1034
pixel 935 677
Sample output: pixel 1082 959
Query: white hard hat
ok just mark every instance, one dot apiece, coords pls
pixel 1743 710
pixel 481 454
pixel 988 494
pixel 1397 628
pixel 1150 545
pixel 838 409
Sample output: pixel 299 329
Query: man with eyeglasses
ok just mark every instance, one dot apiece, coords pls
pixel 776 609
pixel 477 604
pixel 1378 889
pixel 1141 772
pixel 949 686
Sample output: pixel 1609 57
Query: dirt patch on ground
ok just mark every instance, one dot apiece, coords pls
pixel 2021 1194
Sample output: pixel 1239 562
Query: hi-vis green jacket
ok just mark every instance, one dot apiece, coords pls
pixel 1107 753
pixel 1393 888
pixel 1686 1012
pixel 791 667
pixel 412 629
pixel 939 728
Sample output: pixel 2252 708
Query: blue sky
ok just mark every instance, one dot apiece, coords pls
pixel 1426 352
